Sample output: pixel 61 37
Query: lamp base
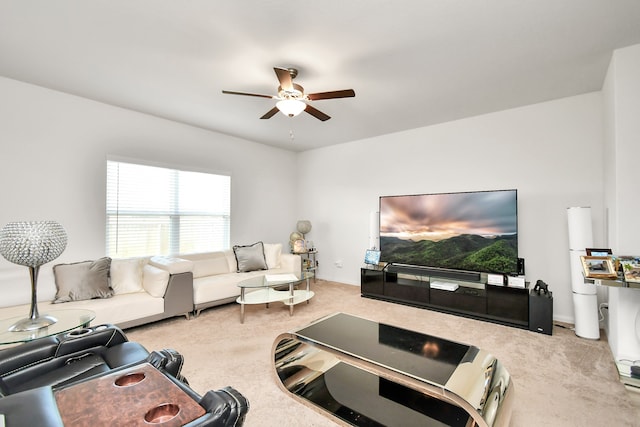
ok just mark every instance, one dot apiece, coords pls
pixel 30 324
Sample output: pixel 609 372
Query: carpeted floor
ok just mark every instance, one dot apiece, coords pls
pixel 560 380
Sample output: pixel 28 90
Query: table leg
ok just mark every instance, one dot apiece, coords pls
pixel 309 286
pixel 241 305
pixel 291 299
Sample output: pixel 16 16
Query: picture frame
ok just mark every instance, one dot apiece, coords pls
pixel 598 267
pixel 372 257
pixel 630 269
pixel 598 252
pixel 299 246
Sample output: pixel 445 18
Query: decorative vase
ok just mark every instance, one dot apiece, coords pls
pixel 303 226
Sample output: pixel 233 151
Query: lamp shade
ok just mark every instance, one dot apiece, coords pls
pixel 32 243
pixel 303 226
pixel 291 107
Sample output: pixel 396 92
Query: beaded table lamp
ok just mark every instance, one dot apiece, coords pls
pixel 32 244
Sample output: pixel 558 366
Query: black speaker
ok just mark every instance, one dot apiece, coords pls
pixel 520 266
pixel 541 312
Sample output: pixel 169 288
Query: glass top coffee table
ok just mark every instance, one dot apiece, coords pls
pixel 67 319
pixel 366 373
pixel 274 288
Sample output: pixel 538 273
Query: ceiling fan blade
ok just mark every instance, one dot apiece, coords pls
pixel 270 113
pixel 284 77
pixel 230 92
pixel 316 113
pixel 346 93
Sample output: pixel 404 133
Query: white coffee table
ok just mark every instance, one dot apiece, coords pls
pixel 262 290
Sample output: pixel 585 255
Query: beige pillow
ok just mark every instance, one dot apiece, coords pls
pixel 126 275
pixel 82 280
pixel 272 252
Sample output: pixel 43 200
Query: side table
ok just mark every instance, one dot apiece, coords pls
pixel 309 262
pixel 68 319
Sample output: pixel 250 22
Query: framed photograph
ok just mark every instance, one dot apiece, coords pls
pixel 372 257
pixel 631 269
pixel 598 267
pixel 598 252
pixel 299 246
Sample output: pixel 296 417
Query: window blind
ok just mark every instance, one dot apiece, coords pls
pixel 158 211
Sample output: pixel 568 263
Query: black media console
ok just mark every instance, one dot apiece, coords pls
pixel 423 287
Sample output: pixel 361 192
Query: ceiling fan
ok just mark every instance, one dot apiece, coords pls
pixel 292 100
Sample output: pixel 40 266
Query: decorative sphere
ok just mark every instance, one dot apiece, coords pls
pixel 295 236
pixel 303 226
pixel 32 243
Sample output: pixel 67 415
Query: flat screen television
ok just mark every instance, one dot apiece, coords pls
pixel 471 231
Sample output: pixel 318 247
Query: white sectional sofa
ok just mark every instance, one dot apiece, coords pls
pixel 143 289
pixel 216 276
pixel 143 292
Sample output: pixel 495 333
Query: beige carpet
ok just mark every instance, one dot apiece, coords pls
pixel 560 380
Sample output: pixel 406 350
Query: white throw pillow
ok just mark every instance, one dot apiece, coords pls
pixel 155 280
pixel 126 275
pixel 272 252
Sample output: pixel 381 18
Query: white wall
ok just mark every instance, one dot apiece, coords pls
pixel 53 149
pixel 622 148
pixel 550 152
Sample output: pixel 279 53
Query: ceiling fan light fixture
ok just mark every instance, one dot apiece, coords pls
pixel 291 107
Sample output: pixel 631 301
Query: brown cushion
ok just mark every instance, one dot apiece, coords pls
pixel 82 280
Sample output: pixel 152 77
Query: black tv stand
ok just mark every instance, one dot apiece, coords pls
pixel 468 294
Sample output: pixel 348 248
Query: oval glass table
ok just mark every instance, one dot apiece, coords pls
pixel 274 288
pixel 66 320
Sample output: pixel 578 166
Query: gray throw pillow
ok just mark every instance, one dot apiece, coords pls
pixel 82 280
pixel 250 257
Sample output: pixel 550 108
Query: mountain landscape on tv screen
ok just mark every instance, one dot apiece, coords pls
pixel 464 252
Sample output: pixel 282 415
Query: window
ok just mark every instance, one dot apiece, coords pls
pixel 158 211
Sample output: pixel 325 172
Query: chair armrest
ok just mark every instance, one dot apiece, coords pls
pixel 36 407
pixel 91 337
pixel 226 407
pixel 33 353
pixel 168 361
pixel 15 358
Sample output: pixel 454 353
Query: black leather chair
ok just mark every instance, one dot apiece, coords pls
pixel 31 373
pixel 69 357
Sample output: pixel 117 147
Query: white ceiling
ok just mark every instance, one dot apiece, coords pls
pixel 411 63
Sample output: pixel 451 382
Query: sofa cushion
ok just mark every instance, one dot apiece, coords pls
pixel 82 280
pixel 272 252
pixel 231 260
pixel 210 266
pixel 250 257
pixel 155 280
pixel 172 264
pixel 126 275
